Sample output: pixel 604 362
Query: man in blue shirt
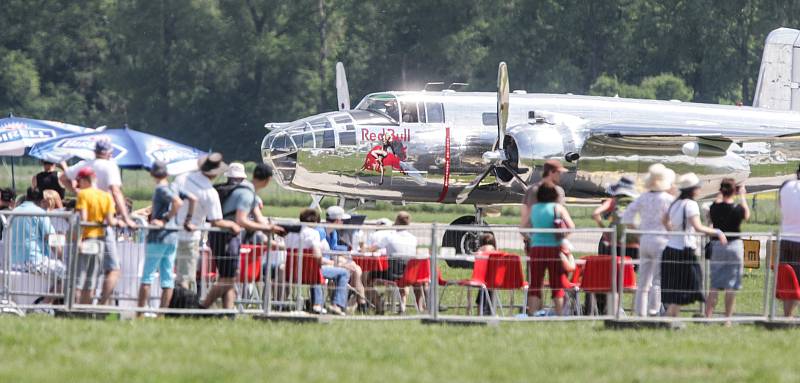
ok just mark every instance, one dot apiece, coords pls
pixel 30 247
pixel 238 206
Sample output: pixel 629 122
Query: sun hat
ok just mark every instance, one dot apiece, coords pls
pixel 211 165
pixel 158 169
pixel 624 186
pixel 336 212
pixel 235 170
pixel 659 178
pixel 688 181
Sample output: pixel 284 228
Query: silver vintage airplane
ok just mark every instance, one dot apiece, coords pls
pixel 484 148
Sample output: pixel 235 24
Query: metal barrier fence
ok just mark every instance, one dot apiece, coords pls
pixel 396 271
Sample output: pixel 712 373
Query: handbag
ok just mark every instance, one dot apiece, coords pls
pixel 558 223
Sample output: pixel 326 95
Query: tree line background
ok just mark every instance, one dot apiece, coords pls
pixel 210 73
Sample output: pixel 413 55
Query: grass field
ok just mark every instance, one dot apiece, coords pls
pixel 57 350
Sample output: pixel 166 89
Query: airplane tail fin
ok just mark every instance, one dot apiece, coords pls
pixel 778 84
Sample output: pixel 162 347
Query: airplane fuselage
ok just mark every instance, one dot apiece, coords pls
pixel 439 140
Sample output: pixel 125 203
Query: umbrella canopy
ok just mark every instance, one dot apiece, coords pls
pixel 131 149
pixel 17 134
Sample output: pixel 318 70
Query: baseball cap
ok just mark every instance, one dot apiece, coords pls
pixel 159 169
pixel 336 212
pixel 102 146
pixel 86 172
pixel 235 170
pixel 553 166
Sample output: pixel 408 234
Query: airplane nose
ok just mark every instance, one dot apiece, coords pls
pixel 278 151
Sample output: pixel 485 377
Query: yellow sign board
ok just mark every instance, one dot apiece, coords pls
pixel 752 254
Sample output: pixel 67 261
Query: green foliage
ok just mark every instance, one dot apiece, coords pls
pixel 662 87
pixel 210 73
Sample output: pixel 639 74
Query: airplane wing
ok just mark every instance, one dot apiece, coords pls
pixel 711 139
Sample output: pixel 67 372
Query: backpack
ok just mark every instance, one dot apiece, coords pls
pixel 225 191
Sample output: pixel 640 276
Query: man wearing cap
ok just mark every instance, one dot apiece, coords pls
pixel 238 207
pixel 96 208
pixel 161 244
pixel 789 200
pixel 551 171
pixel 199 184
pixel 107 178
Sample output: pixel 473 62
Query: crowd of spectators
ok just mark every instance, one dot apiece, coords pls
pixel 668 265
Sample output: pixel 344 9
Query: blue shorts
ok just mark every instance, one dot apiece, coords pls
pixel 160 256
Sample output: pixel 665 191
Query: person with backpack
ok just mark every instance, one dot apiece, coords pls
pixel 199 184
pixel 238 199
pixel 681 276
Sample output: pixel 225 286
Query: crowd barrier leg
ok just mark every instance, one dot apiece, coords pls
pixel 267 306
pixel 433 295
pixel 774 279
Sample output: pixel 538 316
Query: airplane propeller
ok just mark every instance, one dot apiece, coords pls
pixel 496 158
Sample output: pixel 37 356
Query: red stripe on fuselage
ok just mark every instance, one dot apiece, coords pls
pixel 446 183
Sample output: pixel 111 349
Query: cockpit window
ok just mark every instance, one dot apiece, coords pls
pixel 435 112
pixel 381 103
pixel 409 111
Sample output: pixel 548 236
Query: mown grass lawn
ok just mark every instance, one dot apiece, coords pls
pixel 187 350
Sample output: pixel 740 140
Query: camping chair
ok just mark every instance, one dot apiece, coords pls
pixel 303 268
pixel 417 273
pixel 250 261
pixel 788 287
pixel 597 279
pixel 497 270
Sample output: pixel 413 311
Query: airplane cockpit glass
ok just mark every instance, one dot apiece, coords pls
pixel 409 111
pixel 435 112
pixel 384 104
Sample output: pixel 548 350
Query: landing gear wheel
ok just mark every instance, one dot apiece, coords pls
pixel 465 242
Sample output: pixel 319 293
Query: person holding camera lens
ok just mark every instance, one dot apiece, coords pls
pixel 727 261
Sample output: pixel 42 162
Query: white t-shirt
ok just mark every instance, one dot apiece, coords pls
pixel 106 172
pixel 650 207
pixel 307 238
pixel 679 216
pixel 207 206
pixel 399 243
pixel 376 238
pixel 790 210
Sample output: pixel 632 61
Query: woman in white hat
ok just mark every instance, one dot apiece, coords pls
pixel 681 277
pixel 650 207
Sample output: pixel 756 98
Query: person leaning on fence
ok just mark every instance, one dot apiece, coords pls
pixel 108 179
pixel 727 261
pixel 199 184
pixel 543 249
pixel 789 201
pixel 96 208
pixel 400 245
pixel 650 208
pixel 681 276
pixel 309 239
pixel 161 244
pixel 29 236
pixel 237 206
pixel 48 179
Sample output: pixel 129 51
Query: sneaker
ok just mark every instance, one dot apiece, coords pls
pixel 336 310
pixel 317 309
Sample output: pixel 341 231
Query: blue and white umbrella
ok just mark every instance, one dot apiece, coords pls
pixel 17 134
pixel 131 149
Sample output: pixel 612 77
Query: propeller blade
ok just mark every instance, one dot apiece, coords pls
pixel 342 93
pixel 515 174
pixel 472 185
pixel 502 104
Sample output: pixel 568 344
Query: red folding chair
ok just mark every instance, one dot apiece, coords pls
pixel 250 261
pixel 788 287
pixel 303 269
pixel 597 277
pixel 497 270
pixel 477 280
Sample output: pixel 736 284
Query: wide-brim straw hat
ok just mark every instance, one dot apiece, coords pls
pixel 688 181
pixel 659 178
